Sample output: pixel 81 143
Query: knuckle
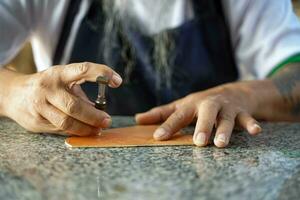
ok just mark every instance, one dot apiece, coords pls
pixel 83 67
pixel 46 80
pixel 227 117
pixel 159 111
pixel 72 106
pixel 37 104
pixel 37 121
pixel 173 121
pixel 51 72
pixel 206 125
pixel 107 71
pixel 225 102
pixel 238 109
pixel 66 123
pixel 211 102
pixel 179 116
pixel 43 83
pixel 225 89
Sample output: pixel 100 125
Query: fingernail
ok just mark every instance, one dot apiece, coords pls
pixel 200 139
pixel 116 78
pixel 221 138
pixel 106 122
pixel 255 128
pixel 159 133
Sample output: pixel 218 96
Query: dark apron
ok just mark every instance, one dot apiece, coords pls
pixel 203 58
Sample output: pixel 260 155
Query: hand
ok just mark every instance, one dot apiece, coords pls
pixel 52 100
pixel 221 107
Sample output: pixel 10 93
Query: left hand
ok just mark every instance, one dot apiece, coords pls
pixel 222 107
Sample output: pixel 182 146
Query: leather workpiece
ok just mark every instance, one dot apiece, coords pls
pixel 133 136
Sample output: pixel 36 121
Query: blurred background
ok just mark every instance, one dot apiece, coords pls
pixel 24 63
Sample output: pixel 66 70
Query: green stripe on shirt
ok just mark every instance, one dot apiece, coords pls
pixel 292 59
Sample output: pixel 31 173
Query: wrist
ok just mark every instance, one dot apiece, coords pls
pixel 245 94
pixel 8 81
pixel 267 102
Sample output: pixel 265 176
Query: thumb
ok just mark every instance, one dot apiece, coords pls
pixel 86 71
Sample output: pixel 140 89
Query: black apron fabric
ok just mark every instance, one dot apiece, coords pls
pixel 203 58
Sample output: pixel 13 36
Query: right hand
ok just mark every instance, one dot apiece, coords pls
pixel 52 100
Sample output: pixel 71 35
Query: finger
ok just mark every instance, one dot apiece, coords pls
pixel 179 119
pixel 247 122
pixel 77 91
pixel 78 109
pixel 39 124
pixel 86 71
pixel 66 123
pixel 207 114
pixel 155 115
pixel 225 127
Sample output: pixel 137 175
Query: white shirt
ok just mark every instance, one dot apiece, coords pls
pixel 264 32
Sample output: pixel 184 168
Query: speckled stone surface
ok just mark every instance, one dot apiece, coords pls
pixel 40 166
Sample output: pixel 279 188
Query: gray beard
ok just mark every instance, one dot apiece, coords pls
pixel 114 25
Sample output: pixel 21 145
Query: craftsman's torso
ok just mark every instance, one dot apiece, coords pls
pixel 202 58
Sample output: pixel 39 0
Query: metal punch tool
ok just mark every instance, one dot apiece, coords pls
pixel 100 102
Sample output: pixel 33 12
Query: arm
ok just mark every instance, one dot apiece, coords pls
pixel 260 40
pixel 284 103
pixel 223 107
pixel 52 100
pixel 6 79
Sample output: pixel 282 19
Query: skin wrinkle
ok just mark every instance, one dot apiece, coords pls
pixel 42 107
pixel 287 81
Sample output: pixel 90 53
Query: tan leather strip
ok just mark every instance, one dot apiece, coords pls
pixel 134 136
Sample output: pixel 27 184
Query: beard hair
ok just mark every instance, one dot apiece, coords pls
pixel 114 34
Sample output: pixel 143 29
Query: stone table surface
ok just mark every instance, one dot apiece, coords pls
pixel 40 166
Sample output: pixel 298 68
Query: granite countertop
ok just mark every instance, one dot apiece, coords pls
pixel 40 166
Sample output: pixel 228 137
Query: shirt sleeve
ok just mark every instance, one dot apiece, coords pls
pixel 17 21
pixel 264 34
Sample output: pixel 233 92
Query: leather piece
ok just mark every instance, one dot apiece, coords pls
pixel 133 136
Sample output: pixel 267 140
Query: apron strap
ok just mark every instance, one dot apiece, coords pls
pixel 217 38
pixel 72 11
